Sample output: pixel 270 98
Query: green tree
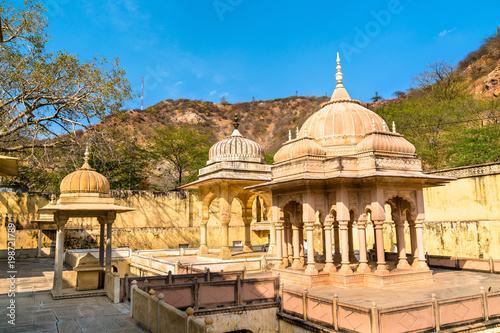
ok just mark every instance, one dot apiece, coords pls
pixel 48 95
pixel 183 151
pixel 377 97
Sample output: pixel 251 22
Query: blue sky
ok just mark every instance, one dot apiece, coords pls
pixel 206 49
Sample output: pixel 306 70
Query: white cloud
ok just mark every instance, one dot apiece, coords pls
pixel 445 32
pixel 179 83
pixel 213 92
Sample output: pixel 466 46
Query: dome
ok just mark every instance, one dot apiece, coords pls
pixel 342 120
pixel 236 148
pixel 85 180
pixel 385 142
pixel 299 147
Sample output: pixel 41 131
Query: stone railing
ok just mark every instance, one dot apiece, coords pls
pixel 170 279
pixel 470 171
pixel 158 316
pixel 433 315
pixel 489 265
pixel 215 294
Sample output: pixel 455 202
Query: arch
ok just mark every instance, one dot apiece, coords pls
pixel 294 211
pixel 207 200
pixel 400 208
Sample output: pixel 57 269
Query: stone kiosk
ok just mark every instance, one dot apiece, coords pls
pixel 234 163
pixel 84 193
pixel 342 172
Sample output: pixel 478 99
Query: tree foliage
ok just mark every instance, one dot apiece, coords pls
pixel 47 95
pixel 179 151
pixel 448 126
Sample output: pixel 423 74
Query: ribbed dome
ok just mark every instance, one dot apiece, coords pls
pixel 385 142
pixel 299 147
pixel 85 180
pixel 341 121
pixel 236 148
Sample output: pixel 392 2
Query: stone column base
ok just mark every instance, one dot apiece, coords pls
pixel 403 265
pixel 381 270
pixel 225 253
pixel 203 249
pixel 297 264
pixel 329 268
pixel 345 269
pixel 422 266
pixel 247 248
pixel 311 270
pixel 363 268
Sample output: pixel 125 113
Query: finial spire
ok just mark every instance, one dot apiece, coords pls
pixel 296 132
pixel 339 74
pixel 236 122
pixel 86 165
pixel 52 196
pixel 373 124
pixel 289 135
pixel 393 127
pixel 383 125
pixel 305 131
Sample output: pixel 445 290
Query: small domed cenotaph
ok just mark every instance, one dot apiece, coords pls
pixel 84 193
pixel 346 171
pixel 233 164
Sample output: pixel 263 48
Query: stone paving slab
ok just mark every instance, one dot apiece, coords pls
pixel 37 311
pixel 447 284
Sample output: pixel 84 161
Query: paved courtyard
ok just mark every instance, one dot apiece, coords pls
pixel 36 311
pixel 447 284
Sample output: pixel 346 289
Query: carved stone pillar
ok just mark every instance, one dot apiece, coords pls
pixel 302 230
pixel 225 217
pixel 311 265
pixel 279 243
pixel 419 230
pixel 379 236
pixel 344 242
pixel 352 257
pixel 247 219
pixel 109 231
pixel 400 230
pixel 413 242
pixel 60 220
pixel 289 243
pixel 102 223
pixel 336 240
pixel 363 260
pixel 225 251
pixel 296 247
pixel 285 245
pixel 203 236
pixel 327 227
pixel 272 238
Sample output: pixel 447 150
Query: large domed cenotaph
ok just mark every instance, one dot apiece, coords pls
pixel 342 171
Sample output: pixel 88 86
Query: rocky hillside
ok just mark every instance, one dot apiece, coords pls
pixel 481 69
pixel 266 122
